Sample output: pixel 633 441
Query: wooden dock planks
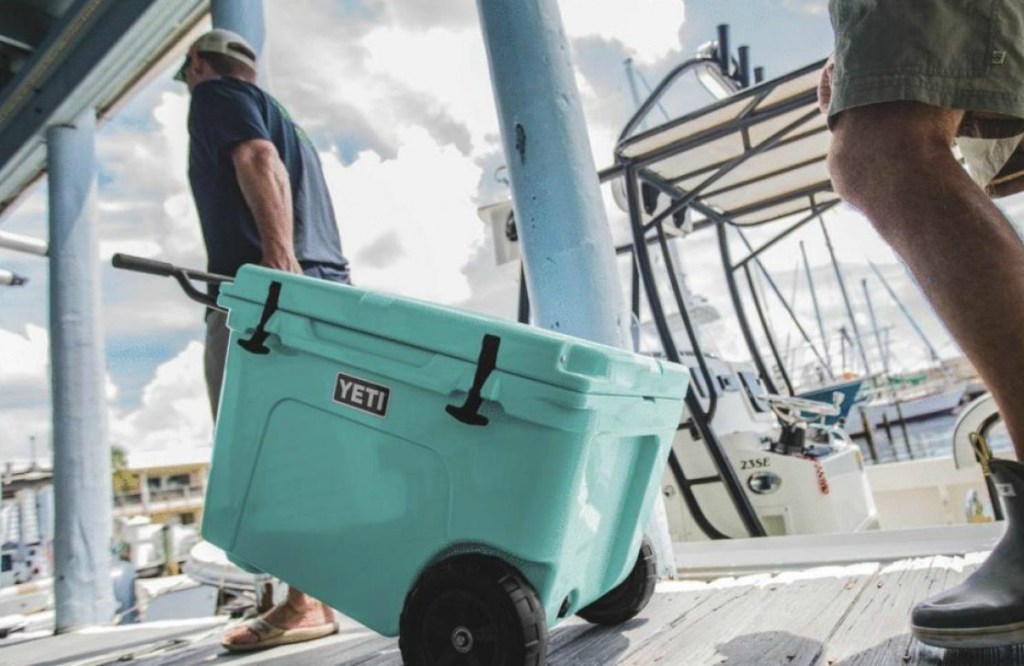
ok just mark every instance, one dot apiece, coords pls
pixel 830 616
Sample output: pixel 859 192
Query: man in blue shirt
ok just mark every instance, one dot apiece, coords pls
pixel 261 197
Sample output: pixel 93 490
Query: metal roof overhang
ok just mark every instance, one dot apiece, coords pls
pixel 754 157
pixel 91 58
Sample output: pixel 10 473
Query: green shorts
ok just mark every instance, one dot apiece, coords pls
pixel 955 54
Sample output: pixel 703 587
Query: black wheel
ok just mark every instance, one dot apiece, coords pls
pixel 631 596
pixel 473 611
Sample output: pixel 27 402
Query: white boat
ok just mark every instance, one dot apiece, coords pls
pixel 798 477
pixel 752 452
pixel 894 406
pixel 747 460
pixel 824 487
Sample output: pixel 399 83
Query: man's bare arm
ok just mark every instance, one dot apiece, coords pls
pixel 264 182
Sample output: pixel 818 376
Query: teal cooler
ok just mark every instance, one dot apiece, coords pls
pixel 364 438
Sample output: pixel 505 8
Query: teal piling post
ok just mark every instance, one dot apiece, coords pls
pixel 83 589
pixel 566 244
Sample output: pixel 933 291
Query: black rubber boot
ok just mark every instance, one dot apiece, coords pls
pixel 987 609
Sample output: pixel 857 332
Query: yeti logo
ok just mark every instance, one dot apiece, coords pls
pixel 362 395
pixel 1005 490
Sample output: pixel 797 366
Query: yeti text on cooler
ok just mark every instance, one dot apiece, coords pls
pixel 361 394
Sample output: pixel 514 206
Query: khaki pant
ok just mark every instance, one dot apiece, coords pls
pixel 955 54
pixel 218 335
pixel 215 355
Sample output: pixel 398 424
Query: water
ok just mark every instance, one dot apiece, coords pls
pixel 928 438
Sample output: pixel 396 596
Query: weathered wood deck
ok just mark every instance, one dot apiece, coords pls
pixel 850 616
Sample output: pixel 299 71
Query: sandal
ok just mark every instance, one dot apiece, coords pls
pixel 269 635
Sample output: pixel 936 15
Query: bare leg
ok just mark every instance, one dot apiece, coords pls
pixel 298 610
pixel 893 161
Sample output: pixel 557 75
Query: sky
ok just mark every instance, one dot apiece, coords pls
pixel 397 98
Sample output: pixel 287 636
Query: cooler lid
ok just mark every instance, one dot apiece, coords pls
pixel 534 353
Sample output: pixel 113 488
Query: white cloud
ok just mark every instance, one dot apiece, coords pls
pixel 815 7
pixel 447 66
pixel 147 210
pixel 138 248
pixel 24 356
pixel 175 410
pixel 25 391
pixel 435 223
pixel 21 423
pixel 434 13
pixel 406 98
pixel 649 28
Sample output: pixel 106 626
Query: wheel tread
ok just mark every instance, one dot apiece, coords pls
pixel 515 588
pixel 631 596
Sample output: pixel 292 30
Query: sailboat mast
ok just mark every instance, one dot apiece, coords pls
pixel 817 312
pixel 874 325
pixel 906 313
pixel 846 301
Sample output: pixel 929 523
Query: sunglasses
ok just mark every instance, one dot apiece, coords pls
pixel 180 76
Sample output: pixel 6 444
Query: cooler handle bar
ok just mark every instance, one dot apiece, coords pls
pixel 184 276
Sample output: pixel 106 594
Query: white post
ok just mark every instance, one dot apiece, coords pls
pixel 81 452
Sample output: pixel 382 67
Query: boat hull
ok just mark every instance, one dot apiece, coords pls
pixel 932 404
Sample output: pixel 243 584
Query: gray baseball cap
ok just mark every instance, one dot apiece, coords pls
pixel 224 42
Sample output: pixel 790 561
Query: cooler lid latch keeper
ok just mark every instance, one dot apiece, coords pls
pixel 255 344
pixel 469 413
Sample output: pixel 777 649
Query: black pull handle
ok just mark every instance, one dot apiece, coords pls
pixel 143 265
pixel 469 412
pixel 255 344
pixel 164 269
pixel 184 276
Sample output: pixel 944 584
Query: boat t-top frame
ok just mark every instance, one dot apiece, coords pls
pixel 754 158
